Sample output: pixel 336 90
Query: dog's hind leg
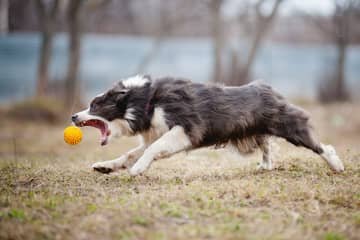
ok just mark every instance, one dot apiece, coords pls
pixel 264 144
pixel 297 131
pixel 327 152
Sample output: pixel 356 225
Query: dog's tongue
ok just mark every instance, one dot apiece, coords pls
pixel 105 132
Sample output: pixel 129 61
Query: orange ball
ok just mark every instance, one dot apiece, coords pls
pixel 72 135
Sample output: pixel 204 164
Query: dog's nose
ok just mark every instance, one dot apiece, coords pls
pixel 74 117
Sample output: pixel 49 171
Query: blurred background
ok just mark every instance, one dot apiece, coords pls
pixel 68 51
pixel 56 55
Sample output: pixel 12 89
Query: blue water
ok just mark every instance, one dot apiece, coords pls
pixel 292 69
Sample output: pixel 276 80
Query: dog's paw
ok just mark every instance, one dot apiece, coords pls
pixel 102 167
pixel 136 170
pixel 264 166
pixel 332 158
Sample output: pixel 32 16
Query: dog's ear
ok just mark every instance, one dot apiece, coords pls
pixel 148 77
pixel 148 83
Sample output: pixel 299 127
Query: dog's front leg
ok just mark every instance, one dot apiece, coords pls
pixel 171 142
pixel 117 163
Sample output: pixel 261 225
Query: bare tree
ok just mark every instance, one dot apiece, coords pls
pixel 171 16
pixel 241 70
pixel 341 21
pixel 263 23
pixel 218 38
pixel 72 87
pixel 164 28
pixel 47 14
pixel 338 29
pixel 4 16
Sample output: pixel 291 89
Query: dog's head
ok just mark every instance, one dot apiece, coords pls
pixel 111 111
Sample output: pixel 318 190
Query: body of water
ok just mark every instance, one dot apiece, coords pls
pixel 292 69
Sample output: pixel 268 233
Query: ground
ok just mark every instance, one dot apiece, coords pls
pixel 49 191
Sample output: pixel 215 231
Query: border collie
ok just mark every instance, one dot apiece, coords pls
pixel 173 115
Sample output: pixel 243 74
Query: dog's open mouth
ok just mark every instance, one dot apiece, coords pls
pixel 102 126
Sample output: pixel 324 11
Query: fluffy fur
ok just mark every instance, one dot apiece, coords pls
pixel 172 115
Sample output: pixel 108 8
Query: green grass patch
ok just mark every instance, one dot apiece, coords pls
pixel 171 210
pixel 333 236
pixel 18 214
pixel 356 218
pixel 91 208
pixel 139 220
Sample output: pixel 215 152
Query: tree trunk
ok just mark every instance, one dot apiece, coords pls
pixel 245 71
pixel 164 29
pixel 262 27
pixel 4 16
pixel 233 75
pixel 47 21
pixel 43 68
pixel 342 38
pixel 340 88
pixel 72 81
pixel 217 35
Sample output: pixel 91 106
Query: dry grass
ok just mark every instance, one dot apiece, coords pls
pixel 48 191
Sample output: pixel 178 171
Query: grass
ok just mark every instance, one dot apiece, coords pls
pixel 333 236
pixel 47 189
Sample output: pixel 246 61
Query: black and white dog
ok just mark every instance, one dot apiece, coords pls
pixel 173 115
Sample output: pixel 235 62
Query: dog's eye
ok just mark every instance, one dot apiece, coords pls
pixel 122 92
pixel 93 106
